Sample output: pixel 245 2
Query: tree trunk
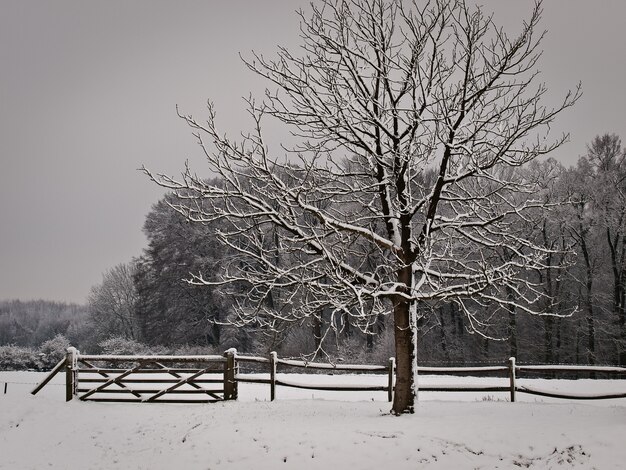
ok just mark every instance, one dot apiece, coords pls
pixel 617 265
pixel 444 339
pixel 317 332
pixel 619 310
pixel 512 323
pixel 369 339
pixel 513 333
pixel 548 328
pixel 591 350
pixel 578 335
pixel 559 328
pixel 404 396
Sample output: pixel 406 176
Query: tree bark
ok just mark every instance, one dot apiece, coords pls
pixel 591 351
pixel 404 396
pixel 317 332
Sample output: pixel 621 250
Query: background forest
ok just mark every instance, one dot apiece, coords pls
pixel 150 303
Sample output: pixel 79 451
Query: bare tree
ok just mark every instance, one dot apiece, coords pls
pixel 111 304
pixel 582 227
pixel 410 117
pixel 605 168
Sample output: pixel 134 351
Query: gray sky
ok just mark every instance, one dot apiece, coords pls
pixel 88 91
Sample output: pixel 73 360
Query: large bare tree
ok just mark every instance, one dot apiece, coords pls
pixel 411 118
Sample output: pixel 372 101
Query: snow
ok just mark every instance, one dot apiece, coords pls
pixel 306 429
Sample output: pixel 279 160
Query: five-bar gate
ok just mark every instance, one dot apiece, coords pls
pixel 161 379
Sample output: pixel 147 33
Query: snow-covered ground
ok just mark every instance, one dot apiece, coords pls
pixel 309 429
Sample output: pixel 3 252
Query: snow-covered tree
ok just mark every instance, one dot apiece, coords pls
pixel 410 118
pixel 608 173
pixel 111 304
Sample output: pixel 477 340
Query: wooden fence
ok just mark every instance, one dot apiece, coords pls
pixel 185 379
pixel 273 362
pixel 513 370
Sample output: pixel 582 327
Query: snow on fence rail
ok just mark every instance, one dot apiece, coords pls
pixel 216 378
pixel 273 362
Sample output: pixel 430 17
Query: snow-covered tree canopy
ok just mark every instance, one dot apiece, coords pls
pixel 412 118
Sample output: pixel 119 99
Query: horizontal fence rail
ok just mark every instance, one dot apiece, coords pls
pixel 273 362
pixel 210 378
pixel 512 370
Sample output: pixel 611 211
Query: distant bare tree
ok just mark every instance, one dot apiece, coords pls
pixel 606 167
pixel 411 116
pixel 111 304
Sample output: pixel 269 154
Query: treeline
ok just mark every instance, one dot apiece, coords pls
pixel 169 298
pixel 35 334
pixel 29 324
pixel 580 220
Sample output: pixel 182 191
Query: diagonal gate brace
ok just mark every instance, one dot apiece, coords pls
pixel 114 380
pixel 180 383
pixel 193 384
pixel 107 376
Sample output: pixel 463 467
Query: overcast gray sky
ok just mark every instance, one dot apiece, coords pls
pixel 88 91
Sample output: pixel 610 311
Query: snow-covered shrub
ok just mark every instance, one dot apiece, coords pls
pixel 191 350
pixel 118 346
pixel 53 350
pixel 18 358
pixel 122 346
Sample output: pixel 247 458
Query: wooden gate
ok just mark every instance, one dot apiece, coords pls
pixel 160 379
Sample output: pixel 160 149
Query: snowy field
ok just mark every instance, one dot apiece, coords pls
pixel 314 430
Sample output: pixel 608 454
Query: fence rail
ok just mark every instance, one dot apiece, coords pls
pixel 184 379
pixel 274 362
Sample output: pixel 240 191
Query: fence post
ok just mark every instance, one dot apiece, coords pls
pixel 273 359
pixel 512 377
pixel 70 373
pixel 230 384
pixel 392 367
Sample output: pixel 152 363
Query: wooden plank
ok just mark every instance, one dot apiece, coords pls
pixel 260 360
pixel 569 396
pixel 462 388
pixel 148 359
pixel 146 391
pixel 392 368
pixel 251 380
pixel 230 384
pixel 512 385
pixel 461 370
pixel 154 381
pixel 273 364
pixel 103 370
pixel 333 388
pixel 70 374
pixel 137 400
pixel 572 368
pixel 322 366
pixel 58 368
